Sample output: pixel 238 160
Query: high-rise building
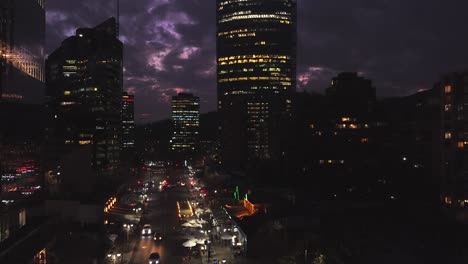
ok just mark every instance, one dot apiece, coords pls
pixel 256 73
pixel 186 123
pixel 22 31
pixel 128 122
pixel 22 36
pixel 454 138
pixel 84 83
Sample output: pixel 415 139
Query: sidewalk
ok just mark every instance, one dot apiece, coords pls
pixel 219 253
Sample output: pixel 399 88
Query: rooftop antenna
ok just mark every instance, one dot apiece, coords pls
pixel 118 17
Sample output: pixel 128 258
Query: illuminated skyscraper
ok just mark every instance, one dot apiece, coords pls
pixel 84 83
pixel 256 58
pixel 22 36
pixel 128 121
pixel 186 123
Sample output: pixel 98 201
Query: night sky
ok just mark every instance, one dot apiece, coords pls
pixel 402 45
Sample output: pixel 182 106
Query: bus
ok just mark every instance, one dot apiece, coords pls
pixel 185 209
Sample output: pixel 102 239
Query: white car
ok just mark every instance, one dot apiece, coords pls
pixel 146 231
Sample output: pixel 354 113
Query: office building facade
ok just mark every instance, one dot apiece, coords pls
pixel 128 122
pixel 256 74
pixel 186 123
pixel 84 84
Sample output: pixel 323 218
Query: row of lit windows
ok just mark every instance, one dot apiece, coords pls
pixel 244 30
pixel 88 89
pixel 227 2
pixel 184 111
pixel 186 119
pixel 254 56
pixel 255 16
pixel 70 68
pixel 250 70
pixel 351 126
pixel 256 78
pixel 252 61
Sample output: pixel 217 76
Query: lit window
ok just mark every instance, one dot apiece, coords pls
pixel 447 107
pixel 66 92
pixel 448 200
pixel 84 142
pixel 364 140
pixel 461 144
pixel 448 135
pixel 448 88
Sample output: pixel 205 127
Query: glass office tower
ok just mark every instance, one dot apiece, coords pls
pixel 84 84
pixel 22 37
pixel 256 73
pixel 186 123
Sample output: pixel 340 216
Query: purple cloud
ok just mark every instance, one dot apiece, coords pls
pixel 170 44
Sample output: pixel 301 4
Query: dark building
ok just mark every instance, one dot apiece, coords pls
pixel 22 30
pixel 22 36
pixel 186 123
pixel 256 73
pixel 128 122
pixel 84 86
pixel 454 138
pixel 351 95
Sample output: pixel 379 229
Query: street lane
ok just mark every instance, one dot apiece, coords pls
pixel 162 216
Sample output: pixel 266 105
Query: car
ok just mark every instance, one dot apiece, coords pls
pixel 154 258
pixel 157 236
pixel 146 230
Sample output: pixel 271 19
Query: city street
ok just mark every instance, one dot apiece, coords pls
pixel 162 216
pixel 161 213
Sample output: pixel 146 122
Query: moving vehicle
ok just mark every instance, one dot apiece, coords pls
pixel 154 258
pixel 185 209
pixel 157 236
pixel 146 231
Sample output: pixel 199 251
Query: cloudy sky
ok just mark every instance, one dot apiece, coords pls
pixel 402 45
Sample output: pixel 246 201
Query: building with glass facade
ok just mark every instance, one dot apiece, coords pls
pixel 186 123
pixel 84 85
pixel 256 73
pixel 22 37
pixel 22 32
